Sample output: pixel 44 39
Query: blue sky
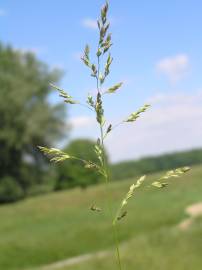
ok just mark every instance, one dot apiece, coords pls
pixel 157 54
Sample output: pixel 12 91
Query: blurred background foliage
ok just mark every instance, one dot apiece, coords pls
pixel 27 120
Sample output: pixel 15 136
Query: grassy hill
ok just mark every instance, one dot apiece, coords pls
pixel 45 229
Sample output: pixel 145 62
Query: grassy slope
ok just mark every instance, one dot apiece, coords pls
pixel 53 227
pixel 164 249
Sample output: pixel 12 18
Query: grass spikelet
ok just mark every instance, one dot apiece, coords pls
pixel 114 88
pixel 170 174
pixel 67 98
pixel 135 115
pixel 57 155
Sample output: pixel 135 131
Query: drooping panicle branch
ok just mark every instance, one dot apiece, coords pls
pixel 67 98
pixel 170 174
pixel 55 154
pixel 124 202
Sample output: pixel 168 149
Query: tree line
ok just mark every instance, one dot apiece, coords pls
pixel 132 168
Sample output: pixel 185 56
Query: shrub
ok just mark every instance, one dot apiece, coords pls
pixel 72 174
pixel 10 190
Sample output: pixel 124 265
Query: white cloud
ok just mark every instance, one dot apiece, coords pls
pixel 174 124
pixel 81 122
pixel 89 23
pixel 2 12
pixel 174 68
pixel 59 66
pixel 34 50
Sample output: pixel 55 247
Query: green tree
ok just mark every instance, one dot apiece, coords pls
pixel 71 173
pixel 27 118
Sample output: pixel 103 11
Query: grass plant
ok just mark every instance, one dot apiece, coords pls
pixel 99 67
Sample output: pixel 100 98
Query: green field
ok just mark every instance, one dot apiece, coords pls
pixel 45 229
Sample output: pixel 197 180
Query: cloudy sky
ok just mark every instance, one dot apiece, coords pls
pixel 157 54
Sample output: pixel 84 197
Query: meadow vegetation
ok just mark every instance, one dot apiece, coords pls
pixel 41 230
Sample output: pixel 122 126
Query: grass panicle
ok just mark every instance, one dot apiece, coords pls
pixel 100 71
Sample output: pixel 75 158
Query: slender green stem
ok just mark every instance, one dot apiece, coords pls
pixel 114 226
pixel 106 174
pixel 116 237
